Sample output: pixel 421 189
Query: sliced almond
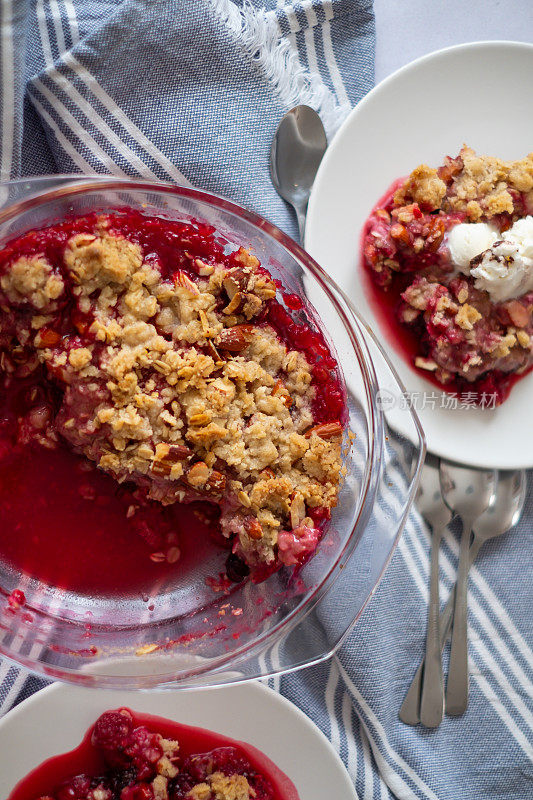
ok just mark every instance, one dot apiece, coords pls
pixel 235 339
pixel 183 280
pixel 231 286
pixel 244 499
pixel 198 474
pixel 178 452
pixel 234 303
pixel 216 483
pixel 204 323
pixel 203 269
pixel 426 363
pixel 297 509
pixel 279 389
pixel 161 468
pixel 200 419
pixel 161 450
pixel 400 232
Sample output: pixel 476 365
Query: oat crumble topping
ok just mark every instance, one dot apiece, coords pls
pixel 177 382
pixel 223 787
pixel 479 186
pixel 463 338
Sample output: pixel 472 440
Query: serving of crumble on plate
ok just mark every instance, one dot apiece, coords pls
pixel 220 721
pixel 417 116
pixel 453 249
pixel 127 756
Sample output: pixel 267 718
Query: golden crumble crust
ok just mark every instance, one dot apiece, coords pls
pixel 223 787
pixel 478 185
pixel 173 384
pixel 423 186
pixel 467 316
pixel 464 337
pixel 32 280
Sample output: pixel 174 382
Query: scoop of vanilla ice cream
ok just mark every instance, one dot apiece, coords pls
pixel 505 269
pixel 467 240
pixel 522 234
pixel 504 272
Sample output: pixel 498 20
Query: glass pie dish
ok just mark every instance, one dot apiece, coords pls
pixel 188 630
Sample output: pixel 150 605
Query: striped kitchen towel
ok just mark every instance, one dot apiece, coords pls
pixel 192 90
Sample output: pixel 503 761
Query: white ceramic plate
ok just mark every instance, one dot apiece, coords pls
pixel 475 93
pixel 55 720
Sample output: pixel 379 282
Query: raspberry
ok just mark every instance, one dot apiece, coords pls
pixel 144 751
pixel 221 759
pixel 76 788
pixel 140 791
pixel 111 734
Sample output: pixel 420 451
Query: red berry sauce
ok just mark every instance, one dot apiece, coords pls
pixel 410 339
pixel 63 521
pixel 118 756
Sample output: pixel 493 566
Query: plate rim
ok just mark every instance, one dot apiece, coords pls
pixel 416 62
pixel 268 695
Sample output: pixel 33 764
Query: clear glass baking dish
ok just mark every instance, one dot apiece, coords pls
pixel 290 620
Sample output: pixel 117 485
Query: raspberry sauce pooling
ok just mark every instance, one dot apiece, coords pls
pixel 130 756
pixel 62 482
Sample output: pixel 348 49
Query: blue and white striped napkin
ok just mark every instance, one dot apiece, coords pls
pixel 193 90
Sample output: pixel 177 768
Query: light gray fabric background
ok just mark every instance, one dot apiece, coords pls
pixel 407 29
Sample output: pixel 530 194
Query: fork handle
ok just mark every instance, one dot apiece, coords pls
pixel 409 711
pixel 432 699
pixel 457 684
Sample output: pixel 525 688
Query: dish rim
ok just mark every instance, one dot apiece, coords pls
pixel 14 715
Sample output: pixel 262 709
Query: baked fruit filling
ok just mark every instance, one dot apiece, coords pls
pixel 453 247
pixel 136 762
pixel 145 346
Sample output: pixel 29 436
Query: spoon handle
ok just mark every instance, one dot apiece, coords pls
pixel 457 684
pixel 301 216
pixel 432 699
pixel 409 711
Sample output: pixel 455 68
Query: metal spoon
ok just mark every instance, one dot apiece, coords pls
pixel 438 515
pixel 503 514
pixel 468 492
pixel 295 155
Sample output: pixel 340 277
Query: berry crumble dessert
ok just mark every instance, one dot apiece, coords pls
pixel 127 756
pixel 172 365
pixel 451 252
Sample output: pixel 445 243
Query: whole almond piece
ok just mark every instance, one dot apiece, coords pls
pixel 326 430
pixel 253 528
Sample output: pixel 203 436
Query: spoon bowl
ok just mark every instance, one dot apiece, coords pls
pixel 506 509
pixel 467 491
pixel 295 155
